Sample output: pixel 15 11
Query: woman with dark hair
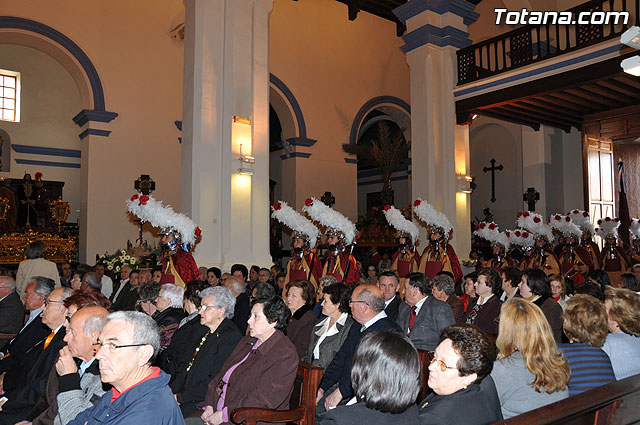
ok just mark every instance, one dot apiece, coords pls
pixel 329 334
pixel 463 393
pixel 258 373
pixel 469 290
pixel 629 281
pixel 301 297
pixel 536 288
pixel 485 312
pixel 599 277
pixel 213 276
pixel 385 375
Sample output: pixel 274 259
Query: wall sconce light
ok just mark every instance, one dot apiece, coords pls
pixel 474 116
pixel 466 184
pixel 241 135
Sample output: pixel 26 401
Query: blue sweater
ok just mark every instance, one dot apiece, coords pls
pixel 590 366
pixel 623 350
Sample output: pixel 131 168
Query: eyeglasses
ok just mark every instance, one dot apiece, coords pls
pixel 47 302
pixel 204 307
pixel 441 365
pixel 357 301
pixel 111 347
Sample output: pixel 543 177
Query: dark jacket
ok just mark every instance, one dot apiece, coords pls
pixel 183 344
pixel 340 368
pixel 241 312
pixel 553 312
pixel 149 402
pixel 168 321
pixel 23 342
pixel 330 345
pixel 300 327
pixel 457 308
pixel 488 316
pixel 11 314
pixel 433 317
pixel 359 413
pixel 264 380
pixel 478 404
pixel 392 308
pixel 191 386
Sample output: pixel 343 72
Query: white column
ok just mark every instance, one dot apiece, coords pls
pixel 226 75
pixel 536 158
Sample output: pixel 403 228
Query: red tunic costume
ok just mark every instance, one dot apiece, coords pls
pixel 615 262
pixel 594 252
pixel 499 262
pixel 307 267
pixel 405 262
pixel 545 260
pixel 337 267
pixel 179 268
pixel 435 259
pixel 572 257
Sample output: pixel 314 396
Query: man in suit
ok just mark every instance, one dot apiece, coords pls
pixel 119 286
pixel 26 381
pixel 388 283
pixel 423 317
pixel 128 294
pixel 11 309
pixel 66 274
pixel 367 308
pixel 33 330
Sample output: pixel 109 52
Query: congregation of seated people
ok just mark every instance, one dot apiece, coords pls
pixel 91 345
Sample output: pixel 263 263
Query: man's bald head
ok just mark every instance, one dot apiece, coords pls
pixel 371 295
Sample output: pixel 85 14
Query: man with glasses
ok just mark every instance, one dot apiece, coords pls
pixel 129 343
pixel 367 308
pixel 25 382
pixel 11 309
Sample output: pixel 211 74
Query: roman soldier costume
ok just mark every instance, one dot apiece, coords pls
pixel 613 259
pixel 406 259
pixel 542 256
pixel 499 243
pixel 581 218
pixel 634 252
pixel 521 245
pixel 575 261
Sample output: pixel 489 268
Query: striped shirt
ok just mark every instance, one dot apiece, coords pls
pixel 590 367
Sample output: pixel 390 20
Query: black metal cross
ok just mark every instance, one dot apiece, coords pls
pixel 328 199
pixel 493 169
pixel 530 197
pixel 145 184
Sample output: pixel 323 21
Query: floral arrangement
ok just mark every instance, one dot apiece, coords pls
pixel 114 262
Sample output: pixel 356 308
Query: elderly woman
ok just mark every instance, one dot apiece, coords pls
pixel 211 351
pixel 170 312
pixel 147 299
pixel 330 333
pixel 559 290
pixel 485 311
pixel 530 371
pixel 260 371
pixel 469 290
pixel 300 300
pixel 463 393
pixel 623 343
pixel 585 324
pixel 322 282
pixel 443 289
pixel 385 374
pixel 535 287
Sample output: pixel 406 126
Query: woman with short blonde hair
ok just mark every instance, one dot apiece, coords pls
pixel 530 371
pixel 623 343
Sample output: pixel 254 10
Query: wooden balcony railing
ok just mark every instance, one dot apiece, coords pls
pixel 534 43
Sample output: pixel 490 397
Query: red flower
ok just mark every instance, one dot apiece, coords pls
pixel 387 207
pixel 358 235
pixel 144 199
pixel 567 219
pixel 617 219
pixel 536 219
pixel 198 231
pixel 607 219
pixel 517 233
pixel 600 221
pixel 492 226
pixel 477 227
pixel 134 197
pixel 558 217
pixel 416 202
pixel 526 214
pixel 585 214
pixel 450 233
pixel 525 235
pixel 277 206
pixel 38 175
pixel 519 214
pixel 482 225
pixel 508 233
pixel 308 202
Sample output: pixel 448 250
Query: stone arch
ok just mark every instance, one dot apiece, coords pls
pixel 286 105
pixel 395 109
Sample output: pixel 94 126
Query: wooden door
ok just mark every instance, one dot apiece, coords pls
pixel 600 177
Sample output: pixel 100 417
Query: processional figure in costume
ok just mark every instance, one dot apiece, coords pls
pixel 613 259
pixel 406 259
pixel 179 234
pixel 542 256
pixel 522 244
pixel 582 220
pixel 304 263
pixel 575 261
pixel 438 255
pixel 634 252
pixel 499 244
pixel 341 233
pixel 27 195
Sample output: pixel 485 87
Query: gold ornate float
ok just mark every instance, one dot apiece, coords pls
pixel 60 249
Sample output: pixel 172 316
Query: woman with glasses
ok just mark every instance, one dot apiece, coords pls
pixel 210 351
pixel 463 391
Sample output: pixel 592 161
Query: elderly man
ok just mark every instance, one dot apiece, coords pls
pixel 443 290
pixel 35 265
pixel 25 382
pixel 388 283
pixel 367 308
pixel 93 281
pixel 66 274
pixel 107 283
pixel 121 285
pixel 11 309
pixel 127 295
pixel 423 317
pixel 129 343
pixel 169 304
pixel 33 330
pixel 242 310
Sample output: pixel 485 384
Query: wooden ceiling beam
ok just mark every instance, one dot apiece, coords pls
pixel 594 106
pixel 509 118
pixel 627 81
pixel 539 104
pixel 553 121
pixel 620 88
pixel 610 94
pixel 569 104
pixel 591 97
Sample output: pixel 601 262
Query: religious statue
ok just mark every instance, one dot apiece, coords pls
pixel 27 196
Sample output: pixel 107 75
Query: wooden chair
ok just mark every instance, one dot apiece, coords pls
pixel 302 406
pixel 425 359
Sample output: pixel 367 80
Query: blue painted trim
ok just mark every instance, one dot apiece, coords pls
pixel 370 105
pixel 66 43
pixel 94 132
pixel 461 8
pixel 301 141
pixel 87 115
pixel 48 163
pixel 541 70
pixel 302 127
pixel 429 34
pixel 178 125
pixel 379 181
pixel 295 155
pixel 40 150
pixel 351 160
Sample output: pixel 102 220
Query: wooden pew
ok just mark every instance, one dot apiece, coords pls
pixel 594 407
pixel 303 402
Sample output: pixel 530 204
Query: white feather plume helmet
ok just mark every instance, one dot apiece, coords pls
pixel 564 225
pixel 582 220
pixel 490 232
pixel 520 237
pixel 399 222
pixel 535 224
pixel 634 228
pixel 433 218
pixel 295 221
pixel 331 218
pixel 608 226
pixel 147 209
